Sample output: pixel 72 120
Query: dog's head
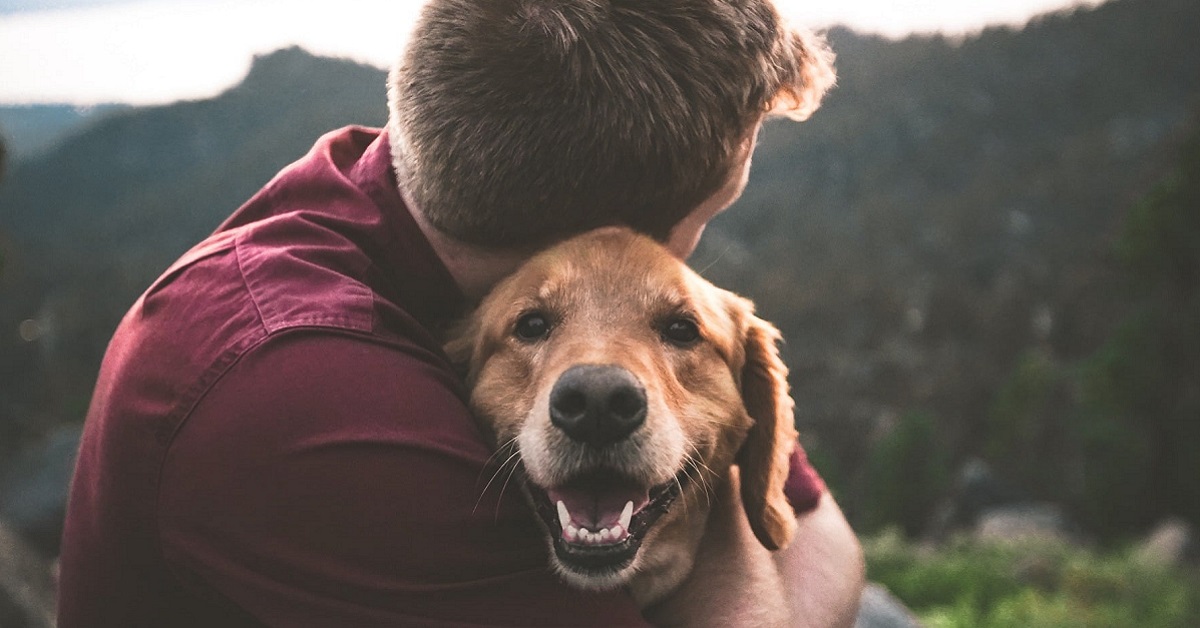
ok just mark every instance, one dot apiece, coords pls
pixel 628 385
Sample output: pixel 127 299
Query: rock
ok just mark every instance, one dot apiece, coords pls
pixel 976 491
pixel 880 609
pixel 1168 545
pixel 26 584
pixel 1024 522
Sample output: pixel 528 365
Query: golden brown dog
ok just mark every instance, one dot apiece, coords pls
pixel 626 387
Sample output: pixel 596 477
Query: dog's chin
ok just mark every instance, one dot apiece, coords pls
pixel 597 522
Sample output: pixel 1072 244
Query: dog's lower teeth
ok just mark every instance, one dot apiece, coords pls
pixel 606 536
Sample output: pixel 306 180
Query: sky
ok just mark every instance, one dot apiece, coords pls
pixel 87 52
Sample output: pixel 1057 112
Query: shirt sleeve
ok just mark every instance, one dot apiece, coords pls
pixel 330 480
pixel 804 485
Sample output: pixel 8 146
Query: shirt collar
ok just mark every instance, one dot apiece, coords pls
pixel 421 282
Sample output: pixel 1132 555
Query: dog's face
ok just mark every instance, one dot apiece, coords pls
pixel 628 385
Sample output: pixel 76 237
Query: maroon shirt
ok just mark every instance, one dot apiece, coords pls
pixel 277 438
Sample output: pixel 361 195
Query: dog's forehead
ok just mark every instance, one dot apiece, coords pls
pixel 608 268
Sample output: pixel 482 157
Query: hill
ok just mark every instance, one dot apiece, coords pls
pixel 85 227
pixel 32 129
pixel 949 213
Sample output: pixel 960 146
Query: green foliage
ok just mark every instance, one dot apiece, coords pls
pixel 1161 240
pixel 908 470
pixel 1039 585
pixel 1113 434
pixel 946 194
pixel 1140 398
pixel 1024 430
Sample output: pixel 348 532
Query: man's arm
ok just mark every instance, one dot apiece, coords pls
pixel 331 481
pixel 823 568
pixel 737 582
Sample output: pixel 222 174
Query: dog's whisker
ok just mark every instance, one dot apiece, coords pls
pixel 715 259
pixel 679 487
pixel 500 469
pixel 702 472
pixel 508 448
pixel 697 475
pixel 511 472
pixel 500 450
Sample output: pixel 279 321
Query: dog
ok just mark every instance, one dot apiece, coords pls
pixel 627 389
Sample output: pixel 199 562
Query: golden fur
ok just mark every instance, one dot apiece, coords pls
pixel 614 298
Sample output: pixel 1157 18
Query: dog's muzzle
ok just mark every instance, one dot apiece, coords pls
pixel 600 516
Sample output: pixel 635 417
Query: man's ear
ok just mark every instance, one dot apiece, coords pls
pixel 765 455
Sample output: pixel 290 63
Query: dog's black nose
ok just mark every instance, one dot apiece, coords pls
pixel 597 404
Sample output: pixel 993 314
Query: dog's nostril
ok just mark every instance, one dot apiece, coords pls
pixel 571 402
pixel 597 404
pixel 627 402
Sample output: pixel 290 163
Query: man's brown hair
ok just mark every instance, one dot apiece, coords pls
pixel 515 123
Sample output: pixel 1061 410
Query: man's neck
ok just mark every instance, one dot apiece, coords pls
pixel 475 269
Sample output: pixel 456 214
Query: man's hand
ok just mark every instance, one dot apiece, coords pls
pixel 814 583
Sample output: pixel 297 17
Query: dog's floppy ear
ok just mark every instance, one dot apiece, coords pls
pixel 765 455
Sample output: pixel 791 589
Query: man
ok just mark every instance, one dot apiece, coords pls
pixel 276 436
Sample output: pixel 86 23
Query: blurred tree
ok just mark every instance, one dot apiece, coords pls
pixel 1145 382
pixel 1026 437
pixel 3 164
pixel 908 472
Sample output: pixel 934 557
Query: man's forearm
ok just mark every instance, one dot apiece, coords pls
pixel 814 583
pixel 823 569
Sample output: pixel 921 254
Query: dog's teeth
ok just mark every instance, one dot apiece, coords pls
pixel 604 536
pixel 626 515
pixel 564 515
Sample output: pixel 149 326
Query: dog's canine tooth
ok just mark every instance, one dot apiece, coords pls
pixel 626 515
pixel 564 515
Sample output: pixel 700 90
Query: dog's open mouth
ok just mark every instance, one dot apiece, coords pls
pixel 598 520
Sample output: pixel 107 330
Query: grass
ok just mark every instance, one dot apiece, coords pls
pixel 1033 585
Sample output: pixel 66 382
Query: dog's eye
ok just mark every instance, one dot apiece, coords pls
pixel 681 331
pixel 532 326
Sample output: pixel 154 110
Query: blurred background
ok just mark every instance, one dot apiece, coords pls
pixel 983 253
